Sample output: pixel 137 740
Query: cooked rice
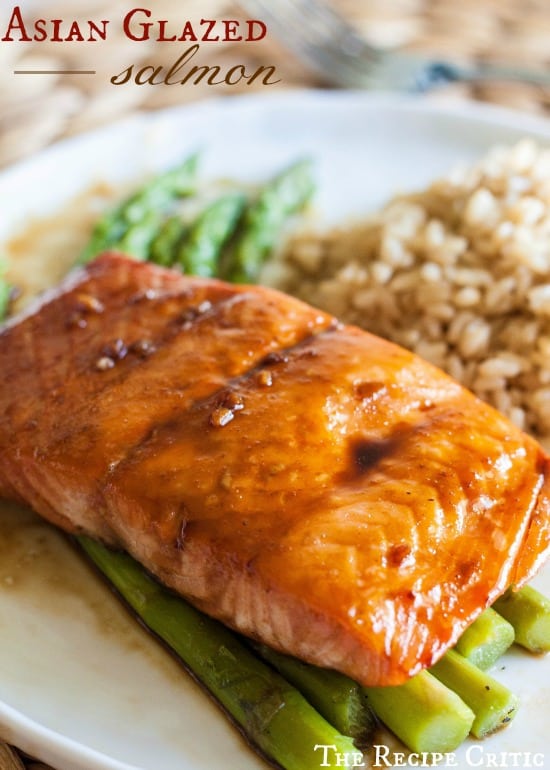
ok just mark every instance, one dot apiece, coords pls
pixel 458 273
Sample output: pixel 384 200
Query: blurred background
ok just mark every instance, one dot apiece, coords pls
pixel 36 110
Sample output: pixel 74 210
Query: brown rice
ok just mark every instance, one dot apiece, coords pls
pixel 459 273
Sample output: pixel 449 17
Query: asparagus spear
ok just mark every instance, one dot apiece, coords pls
pixel 155 196
pixel 486 639
pixel 272 713
pixel 163 247
pixel 423 713
pixel 161 191
pixel 492 703
pixel 529 613
pixel 5 293
pixel 284 195
pixel 337 697
pixel 138 238
pixel 426 714
pixel 201 249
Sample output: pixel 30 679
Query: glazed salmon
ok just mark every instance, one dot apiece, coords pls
pixel 311 485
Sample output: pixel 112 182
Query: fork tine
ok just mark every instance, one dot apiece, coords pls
pixel 277 17
pixel 328 22
pixel 308 29
pixel 279 21
pixel 334 30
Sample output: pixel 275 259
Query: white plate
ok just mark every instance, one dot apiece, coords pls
pixel 80 685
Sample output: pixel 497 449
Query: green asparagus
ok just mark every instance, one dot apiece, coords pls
pixel 529 613
pixel 486 639
pixel 492 703
pixel 423 713
pixel 155 196
pixel 138 238
pixel 162 249
pixel 339 699
pixel 201 249
pixel 272 713
pixel 5 293
pixel 286 194
pixel 162 190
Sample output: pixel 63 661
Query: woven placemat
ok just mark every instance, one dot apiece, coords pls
pixel 38 110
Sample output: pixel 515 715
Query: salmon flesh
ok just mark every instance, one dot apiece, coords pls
pixel 313 486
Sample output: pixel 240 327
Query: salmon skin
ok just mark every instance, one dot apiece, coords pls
pixel 312 486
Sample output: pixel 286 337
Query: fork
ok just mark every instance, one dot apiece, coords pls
pixel 333 49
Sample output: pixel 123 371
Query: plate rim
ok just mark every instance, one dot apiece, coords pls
pixel 482 112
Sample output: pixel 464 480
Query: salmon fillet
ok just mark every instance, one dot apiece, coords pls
pixel 312 486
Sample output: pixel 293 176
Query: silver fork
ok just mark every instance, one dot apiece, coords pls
pixel 332 48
